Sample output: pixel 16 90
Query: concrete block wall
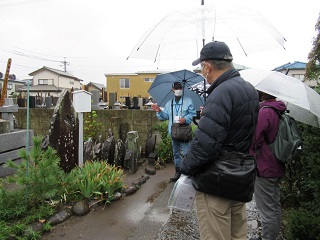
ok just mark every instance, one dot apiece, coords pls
pixel 119 121
pixel 39 120
pixel 11 143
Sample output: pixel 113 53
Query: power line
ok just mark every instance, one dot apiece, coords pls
pixel 20 3
pixel 22 54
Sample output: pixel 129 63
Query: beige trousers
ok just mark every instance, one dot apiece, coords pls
pixel 220 218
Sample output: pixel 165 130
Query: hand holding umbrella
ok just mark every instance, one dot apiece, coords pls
pixel 156 108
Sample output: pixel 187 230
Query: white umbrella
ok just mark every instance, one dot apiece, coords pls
pixel 302 101
pixel 181 34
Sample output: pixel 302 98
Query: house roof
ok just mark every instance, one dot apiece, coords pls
pixel 294 65
pixel 59 72
pixel 39 88
pixel 97 85
pixel 13 81
pixel 137 73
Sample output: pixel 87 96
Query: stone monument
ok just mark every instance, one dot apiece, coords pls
pixel 64 132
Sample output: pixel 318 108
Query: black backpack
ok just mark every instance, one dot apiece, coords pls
pixel 288 143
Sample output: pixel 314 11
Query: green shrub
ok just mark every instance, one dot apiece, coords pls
pixel 301 188
pixel 91 125
pixel 303 225
pixel 12 204
pixel 94 180
pixel 39 173
pixel 164 148
pixel 16 215
pixel 39 184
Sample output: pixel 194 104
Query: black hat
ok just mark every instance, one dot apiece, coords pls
pixel 177 85
pixel 214 51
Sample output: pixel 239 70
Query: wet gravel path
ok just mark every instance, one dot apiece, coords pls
pixel 184 225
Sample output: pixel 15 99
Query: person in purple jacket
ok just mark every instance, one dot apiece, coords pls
pixel 270 170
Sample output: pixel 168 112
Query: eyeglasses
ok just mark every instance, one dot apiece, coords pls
pixel 202 64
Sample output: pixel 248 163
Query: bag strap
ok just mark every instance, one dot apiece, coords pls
pixel 257 151
pixel 172 108
pixel 280 114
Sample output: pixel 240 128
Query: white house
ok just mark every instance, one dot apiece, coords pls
pixel 50 82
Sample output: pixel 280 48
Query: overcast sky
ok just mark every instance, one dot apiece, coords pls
pixel 96 36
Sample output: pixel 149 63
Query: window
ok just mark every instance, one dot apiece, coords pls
pixel 124 83
pixel 149 79
pixel 71 82
pixel 43 81
pixel 299 76
pixel 9 86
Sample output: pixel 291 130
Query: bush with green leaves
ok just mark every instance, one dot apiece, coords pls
pixel 12 204
pixel 91 125
pixel 303 224
pixel 16 214
pixel 164 148
pixel 94 180
pixel 39 173
pixel 301 188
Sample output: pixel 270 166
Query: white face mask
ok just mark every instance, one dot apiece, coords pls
pixel 178 93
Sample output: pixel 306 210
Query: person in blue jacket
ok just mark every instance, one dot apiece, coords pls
pixel 180 109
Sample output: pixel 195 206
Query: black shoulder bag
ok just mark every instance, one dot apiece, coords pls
pixel 231 175
pixel 180 132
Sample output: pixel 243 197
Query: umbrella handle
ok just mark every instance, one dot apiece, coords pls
pixel 194 118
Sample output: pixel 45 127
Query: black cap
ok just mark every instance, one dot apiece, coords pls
pixel 177 85
pixel 214 51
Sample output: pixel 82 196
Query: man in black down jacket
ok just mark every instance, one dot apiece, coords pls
pixel 227 122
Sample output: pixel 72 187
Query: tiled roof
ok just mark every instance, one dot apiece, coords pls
pixel 294 65
pixel 97 85
pixel 38 88
pixel 55 71
pixel 137 73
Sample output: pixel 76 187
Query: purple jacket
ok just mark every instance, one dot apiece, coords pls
pixel 266 132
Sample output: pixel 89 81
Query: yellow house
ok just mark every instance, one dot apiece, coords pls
pixel 130 84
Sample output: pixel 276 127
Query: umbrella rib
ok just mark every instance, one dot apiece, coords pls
pixel 242 47
pixel 152 31
pixel 155 59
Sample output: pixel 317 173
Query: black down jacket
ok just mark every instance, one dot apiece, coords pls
pixel 229 118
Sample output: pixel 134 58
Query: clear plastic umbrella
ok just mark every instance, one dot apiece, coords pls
pixel 181 34
pixel 302 101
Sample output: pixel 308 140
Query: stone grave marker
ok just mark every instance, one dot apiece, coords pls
pixel 64 132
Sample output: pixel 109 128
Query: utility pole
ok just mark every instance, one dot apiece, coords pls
pixel 65 63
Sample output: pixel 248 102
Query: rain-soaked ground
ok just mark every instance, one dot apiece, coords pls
pixel 142 215
pixel 184 225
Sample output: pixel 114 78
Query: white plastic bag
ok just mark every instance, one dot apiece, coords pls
pixel 182 195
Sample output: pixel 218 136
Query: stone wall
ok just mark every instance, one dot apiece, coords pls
pixel 119 121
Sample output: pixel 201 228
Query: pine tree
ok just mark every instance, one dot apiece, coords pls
pixel 39 172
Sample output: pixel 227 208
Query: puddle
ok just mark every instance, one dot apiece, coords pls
pixel 157 216
pixel 137 212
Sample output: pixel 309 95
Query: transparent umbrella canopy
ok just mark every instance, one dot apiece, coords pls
pixel 181 34
pixel 302 101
